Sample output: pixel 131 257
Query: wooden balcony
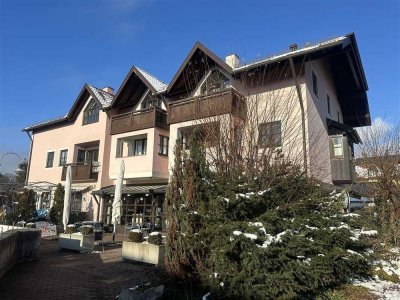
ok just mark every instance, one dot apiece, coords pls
pixel 225 102
pixel 147 118
pixel 82 171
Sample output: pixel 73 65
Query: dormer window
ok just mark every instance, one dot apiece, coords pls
pixel 215 82
pixel 150 101
pixel 91 113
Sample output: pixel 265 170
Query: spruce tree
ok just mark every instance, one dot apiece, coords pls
pixel 58 206
pixel 187 200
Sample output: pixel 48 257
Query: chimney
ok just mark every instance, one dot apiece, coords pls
pixel 109 90
pixel 293 47
pixel 232 60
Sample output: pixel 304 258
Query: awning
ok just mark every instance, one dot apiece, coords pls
pixel 336 127
pixel 133 189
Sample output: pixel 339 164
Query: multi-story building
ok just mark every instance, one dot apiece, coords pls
pixel 307 102
pixel 80 139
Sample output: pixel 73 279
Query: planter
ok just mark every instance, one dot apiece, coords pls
pixel 77 242
pixel 143 252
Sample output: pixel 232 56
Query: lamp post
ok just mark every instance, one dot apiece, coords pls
pixel 11 153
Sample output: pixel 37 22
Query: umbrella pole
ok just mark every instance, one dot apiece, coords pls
pixel 115 228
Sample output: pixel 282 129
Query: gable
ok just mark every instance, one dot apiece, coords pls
pixel 196 65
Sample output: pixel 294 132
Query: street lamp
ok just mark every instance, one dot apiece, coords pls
pixel 11 153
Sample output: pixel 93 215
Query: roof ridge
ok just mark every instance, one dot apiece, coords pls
pixel 306 46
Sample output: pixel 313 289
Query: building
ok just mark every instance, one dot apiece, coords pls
pixel 309 101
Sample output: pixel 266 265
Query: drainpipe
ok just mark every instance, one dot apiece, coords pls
pixel 30 157
pixel 303 118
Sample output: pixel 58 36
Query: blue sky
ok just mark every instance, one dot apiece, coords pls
pixel 49 49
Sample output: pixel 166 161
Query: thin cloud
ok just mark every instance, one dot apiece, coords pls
pixel 379 125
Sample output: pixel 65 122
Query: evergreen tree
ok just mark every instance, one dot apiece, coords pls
pixel 58 206
pixel 187 199
pixel 26 205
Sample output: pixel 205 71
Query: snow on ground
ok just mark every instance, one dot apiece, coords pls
pixel 382 288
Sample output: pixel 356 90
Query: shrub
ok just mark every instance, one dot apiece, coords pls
pixel 155 238
pixel 71 229
pixel 87 230
pixel 136 236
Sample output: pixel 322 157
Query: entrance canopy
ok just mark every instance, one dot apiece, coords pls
pixel 133 189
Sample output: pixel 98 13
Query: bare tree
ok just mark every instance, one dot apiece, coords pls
pixel 378 163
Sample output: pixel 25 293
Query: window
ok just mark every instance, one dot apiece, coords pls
pixel 63 157
pixel 328 101
pixel 270 134
pixel 140 147
pixel 81 156
pixel 215 82
pixel 337 143
pixel 315 84
pixel 50 159
pixel 150 101
pixel 132 146
pixel 87 155
pixel 163 145
pixel 91 113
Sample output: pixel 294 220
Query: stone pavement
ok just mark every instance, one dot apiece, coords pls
pixel 69 275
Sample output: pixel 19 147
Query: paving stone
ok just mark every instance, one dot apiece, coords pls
pixel 68 275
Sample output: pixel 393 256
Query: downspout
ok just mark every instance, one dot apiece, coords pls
pixel 303 118
pixel 30 157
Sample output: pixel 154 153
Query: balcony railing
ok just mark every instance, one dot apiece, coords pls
pixel 225 102
pixel 147 118
pixel 82 171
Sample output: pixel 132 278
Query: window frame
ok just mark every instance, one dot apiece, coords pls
pixel 205 85
pixel 91 106
pixel 60 164
pixel 144 146
pixel 151 100
pixel 341 147
pixel 47 166
pixel 314 80
pixel 163 146
pixel 267 131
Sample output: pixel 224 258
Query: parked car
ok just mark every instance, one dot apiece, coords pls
pixel 97 229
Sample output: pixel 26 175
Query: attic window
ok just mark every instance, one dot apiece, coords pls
pixel 151 101
pixel 215 82
pixel 91 113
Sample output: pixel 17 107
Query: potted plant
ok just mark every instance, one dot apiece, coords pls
pixel 150 251
pixel 78 241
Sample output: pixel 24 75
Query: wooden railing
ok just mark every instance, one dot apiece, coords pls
pixel 225 102
pixel 82 171
pixel 143 119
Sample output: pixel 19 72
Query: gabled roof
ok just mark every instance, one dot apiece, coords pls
pixel 103 99
pixel 197 49
pixel 157 84
pixel 134 85
pixel 347 70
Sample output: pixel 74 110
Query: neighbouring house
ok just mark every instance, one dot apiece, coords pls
pixel 80 139
pixel 310 100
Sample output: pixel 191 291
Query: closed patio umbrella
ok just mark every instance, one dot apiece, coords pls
pixel 116 206
pixel 67 197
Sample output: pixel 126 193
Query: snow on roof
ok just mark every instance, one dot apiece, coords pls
pixel 307 48
pixel 104 98
pixel 158 85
